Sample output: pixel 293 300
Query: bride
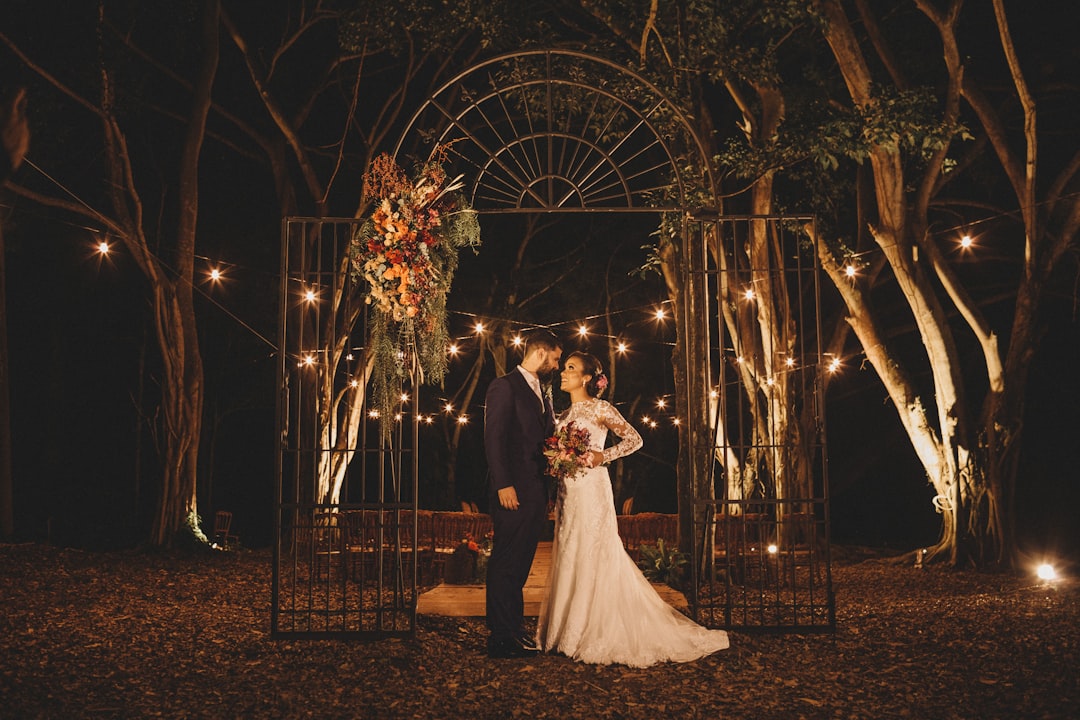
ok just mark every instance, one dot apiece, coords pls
pixel 598 607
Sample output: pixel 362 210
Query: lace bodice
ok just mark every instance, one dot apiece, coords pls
pixel 600 416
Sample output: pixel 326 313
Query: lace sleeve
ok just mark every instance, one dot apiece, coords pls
pixel 629 439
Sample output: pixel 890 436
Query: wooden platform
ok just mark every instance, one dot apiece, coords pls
pixel 469 600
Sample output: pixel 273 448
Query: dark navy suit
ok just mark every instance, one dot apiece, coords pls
pixel 515 427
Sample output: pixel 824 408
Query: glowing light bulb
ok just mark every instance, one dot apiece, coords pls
pixel 790 362
pixel 850 270
pixel 309 360
pixel 749 294
pixel 453 349
pixel 448 407
pixel 429 419
pixel 582 330
pixel 676 421
pixel 309 295
pixel 103 247
pixel 463 419
pixel 404 397
pixel 518 340
pixel 215 274
pixel 772 549
pixel 373 413
pixel 660 314
pixel 966 241
pixel 354 383
pixel 621 348
pixel 478 327
pixel 1046 572
pixel 834 365
pixel 661 403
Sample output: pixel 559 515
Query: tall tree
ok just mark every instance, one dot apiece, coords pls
pixel 968 443
pixel 171 278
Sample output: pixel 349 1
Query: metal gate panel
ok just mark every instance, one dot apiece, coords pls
pixel 348 547
pixel 756 446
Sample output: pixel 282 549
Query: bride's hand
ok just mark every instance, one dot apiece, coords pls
pixel 596 459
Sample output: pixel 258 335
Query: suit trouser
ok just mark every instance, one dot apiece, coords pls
pixel 517 533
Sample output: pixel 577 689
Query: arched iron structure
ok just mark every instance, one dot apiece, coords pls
pixel 558 131
pixel 561 131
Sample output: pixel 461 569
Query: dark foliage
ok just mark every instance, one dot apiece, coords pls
pixel 181 635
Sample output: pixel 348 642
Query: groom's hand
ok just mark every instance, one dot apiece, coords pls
pixel 508 498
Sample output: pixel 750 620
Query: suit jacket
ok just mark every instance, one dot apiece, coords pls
pixel 515 427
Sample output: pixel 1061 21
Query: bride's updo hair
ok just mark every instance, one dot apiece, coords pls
pixel 591 366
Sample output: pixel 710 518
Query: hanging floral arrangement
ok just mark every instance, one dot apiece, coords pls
pixel 407 252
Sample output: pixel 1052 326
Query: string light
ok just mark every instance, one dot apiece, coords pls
pixel 850 270
pixel 518 341
pixel 834 365
pixel 404 397
pixel 661 403
pixel 309 360
pixel 373 414
pixel 103 247
pixel 790 362
pixel 354 383
pixel 582 330
pixel 310 295
pixel 453 349
pixel 215 274
pixel 478 327
pixel 463 420
pixel 448 407
pixel 660 314
pixel 749 294
pixel 621 348
pixel 966 241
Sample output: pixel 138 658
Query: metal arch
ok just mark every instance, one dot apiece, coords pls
pixel 524 157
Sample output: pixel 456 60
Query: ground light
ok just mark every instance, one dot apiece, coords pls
pixel 1046 572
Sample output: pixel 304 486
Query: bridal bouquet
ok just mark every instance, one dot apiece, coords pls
pixel 567 451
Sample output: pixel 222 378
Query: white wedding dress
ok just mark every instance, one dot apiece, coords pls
pixel 598 607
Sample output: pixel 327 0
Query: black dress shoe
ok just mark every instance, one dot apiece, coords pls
pixel 509 648
pixel 528 642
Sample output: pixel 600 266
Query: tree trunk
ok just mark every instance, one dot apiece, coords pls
pixel 174 309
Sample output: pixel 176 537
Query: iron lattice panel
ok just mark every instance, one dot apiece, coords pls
pixel 344 557
pixel 755 446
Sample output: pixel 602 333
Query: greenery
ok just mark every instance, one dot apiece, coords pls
pixel 663 564
pixel 407 253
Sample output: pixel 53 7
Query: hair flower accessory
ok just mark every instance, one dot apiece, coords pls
pixel 601 381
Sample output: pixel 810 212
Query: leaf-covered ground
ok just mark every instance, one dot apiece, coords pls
pixel 133 635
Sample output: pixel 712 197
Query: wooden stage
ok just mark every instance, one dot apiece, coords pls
pixel 468 600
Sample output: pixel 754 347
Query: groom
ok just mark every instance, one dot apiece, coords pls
pixel 517 419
